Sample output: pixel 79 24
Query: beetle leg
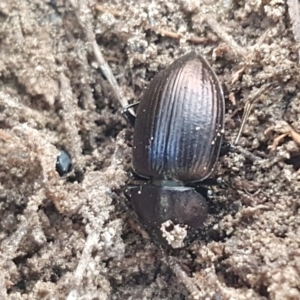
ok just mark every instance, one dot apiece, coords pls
pixel 201 188
pixel 134 176
pixel 203 191
pixel 225 149
pixel 207 182
pixel 128 112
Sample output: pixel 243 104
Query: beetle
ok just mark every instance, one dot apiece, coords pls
pixel 178 132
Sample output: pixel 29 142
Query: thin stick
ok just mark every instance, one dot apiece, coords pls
pixel 249 155
pixel 82 12
pixel 217 28
pixel 293 6
pixel 248 107
pixel 185 279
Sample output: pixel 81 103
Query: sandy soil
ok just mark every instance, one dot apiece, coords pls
pixel 72 237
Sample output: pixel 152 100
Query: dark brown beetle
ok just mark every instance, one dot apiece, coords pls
pixel 176 144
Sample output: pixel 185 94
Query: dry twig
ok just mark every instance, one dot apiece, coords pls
pixel 235 48
pixel 185 279
pixel 69 107
pixel 164 32
pixel 91 241
pixel 293 7
pixel 248 107
pixel 109 10
pixel 82 12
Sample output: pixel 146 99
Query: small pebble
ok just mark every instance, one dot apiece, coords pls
pixel 63 163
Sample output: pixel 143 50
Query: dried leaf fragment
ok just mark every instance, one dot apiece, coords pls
pixel 289 131
pixel 237 75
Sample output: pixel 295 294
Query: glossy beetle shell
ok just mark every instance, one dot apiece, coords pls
pixel 179 123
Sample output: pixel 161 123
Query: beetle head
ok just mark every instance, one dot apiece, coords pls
pixel 178 205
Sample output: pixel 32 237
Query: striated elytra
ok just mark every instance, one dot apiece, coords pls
pixel 177 139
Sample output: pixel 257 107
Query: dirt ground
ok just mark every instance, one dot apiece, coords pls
pixel 72 237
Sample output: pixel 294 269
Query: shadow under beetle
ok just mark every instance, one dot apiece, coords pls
pixel 177 139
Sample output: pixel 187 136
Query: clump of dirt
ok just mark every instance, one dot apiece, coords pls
pixel 71 237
